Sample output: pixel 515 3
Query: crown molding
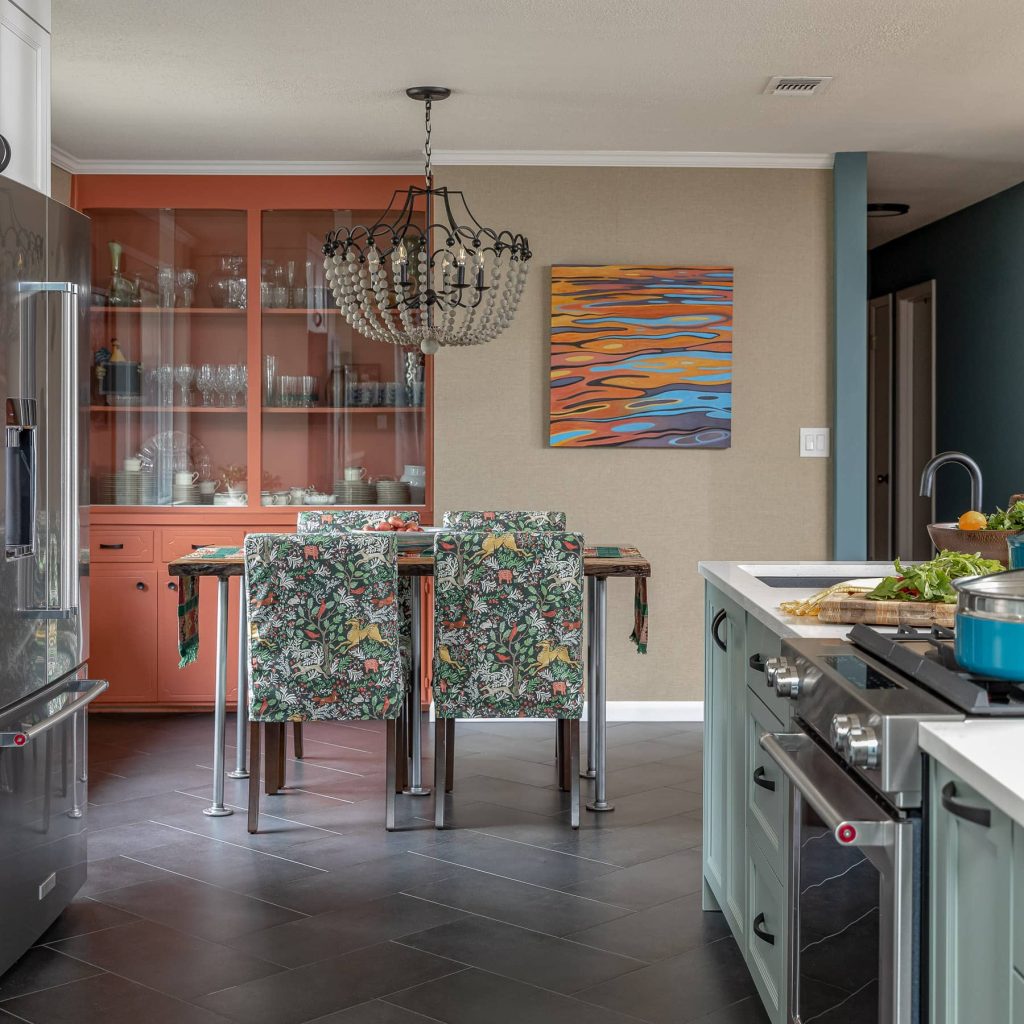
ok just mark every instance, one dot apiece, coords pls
pixel 450 158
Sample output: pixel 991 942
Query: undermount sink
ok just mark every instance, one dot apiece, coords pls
pixel 800 582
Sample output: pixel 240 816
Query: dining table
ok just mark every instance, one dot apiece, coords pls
pixel 600 564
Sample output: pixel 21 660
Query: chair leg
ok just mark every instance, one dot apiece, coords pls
pixel 255 735
pixel 440 768
pixel 391 769
pixel 282 756
pixel 560 753
pixel 401 729
pixel 272 771
pixel 297 739
pixel 574 772
pixel 449 755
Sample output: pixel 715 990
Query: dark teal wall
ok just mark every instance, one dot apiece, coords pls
pixel 976 257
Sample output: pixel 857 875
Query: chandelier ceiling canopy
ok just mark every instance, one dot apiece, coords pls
pixel 427 274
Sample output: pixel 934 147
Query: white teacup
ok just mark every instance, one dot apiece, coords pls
pixel 297 496
pixel 185 478
pixel 355 473
pixel 132 465
pixel 207 486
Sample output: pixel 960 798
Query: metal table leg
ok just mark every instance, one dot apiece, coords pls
pixel 242 712
pixel 416 787
pixel 217 808
pixel 590 770
pixel 600 802
pixel 76 810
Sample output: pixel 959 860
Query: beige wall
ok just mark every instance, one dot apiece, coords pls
pixel 757 500
pixel 60 184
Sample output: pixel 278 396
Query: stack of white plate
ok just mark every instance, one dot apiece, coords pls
pixel 392 492
pixel 355 492
pixel 185 494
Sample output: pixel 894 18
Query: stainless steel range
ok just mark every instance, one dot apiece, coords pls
pixel 857 812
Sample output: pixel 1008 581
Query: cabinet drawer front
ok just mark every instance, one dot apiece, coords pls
pixel 767 788
pixel 762 644
pixel 127 545
pixel 1018 907
pixel 766 936
pixel 184 540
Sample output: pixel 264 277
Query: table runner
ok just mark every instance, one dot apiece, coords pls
pixel 188 599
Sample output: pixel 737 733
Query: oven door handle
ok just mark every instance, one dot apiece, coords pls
pixel 827 788
pixel 21 739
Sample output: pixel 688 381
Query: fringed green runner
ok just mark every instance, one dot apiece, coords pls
pixel 640 611
pixel 188 620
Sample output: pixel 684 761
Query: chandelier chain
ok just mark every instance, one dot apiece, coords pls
pixel 428 170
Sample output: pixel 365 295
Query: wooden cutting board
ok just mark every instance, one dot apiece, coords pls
pixel 842 608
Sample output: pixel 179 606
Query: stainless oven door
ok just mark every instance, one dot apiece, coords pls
pixel 853 927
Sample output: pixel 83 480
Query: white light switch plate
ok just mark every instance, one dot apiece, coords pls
pixel 814 442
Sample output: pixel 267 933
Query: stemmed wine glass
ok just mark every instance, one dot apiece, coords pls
pixel 206 383
pixel 165 384
pixel 187 280
pixel 184 376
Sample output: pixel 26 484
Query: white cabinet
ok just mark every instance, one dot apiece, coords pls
pixel 25 91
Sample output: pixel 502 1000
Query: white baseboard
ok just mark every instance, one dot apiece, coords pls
pixel 627 711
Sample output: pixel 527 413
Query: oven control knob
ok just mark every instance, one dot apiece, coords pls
pixel 839 731
pixel 785 677
pixel 771 669
pixel 862 749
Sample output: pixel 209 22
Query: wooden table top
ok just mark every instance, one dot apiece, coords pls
pixel 599 561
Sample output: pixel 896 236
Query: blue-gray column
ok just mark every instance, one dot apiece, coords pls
pixel 850 434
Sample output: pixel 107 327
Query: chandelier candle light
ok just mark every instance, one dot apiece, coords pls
pixel 437 284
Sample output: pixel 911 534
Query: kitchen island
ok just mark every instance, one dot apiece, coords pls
pixel 973 811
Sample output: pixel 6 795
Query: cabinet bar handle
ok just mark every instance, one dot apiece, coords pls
pixel 111 547
pixel 761 780
pixel 716 623
pixel 976 815
pixel 756 662
pixel 761 933
pixel 196 547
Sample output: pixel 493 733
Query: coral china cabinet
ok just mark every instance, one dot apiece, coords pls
pixel 227 393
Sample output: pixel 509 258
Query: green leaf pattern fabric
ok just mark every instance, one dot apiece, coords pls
pixel 323 626
pixel 506 520
pixel 508 624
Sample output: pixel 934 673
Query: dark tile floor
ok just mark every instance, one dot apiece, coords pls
pixel 507 918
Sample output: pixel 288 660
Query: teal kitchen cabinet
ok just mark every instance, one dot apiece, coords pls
pixel 725 856
pixel 972 896
pixel 746 797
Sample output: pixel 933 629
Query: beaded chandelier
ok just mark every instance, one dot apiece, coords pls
pixel 427 274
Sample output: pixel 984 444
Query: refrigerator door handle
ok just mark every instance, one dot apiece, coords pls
pixel 25 736
pixel 67 584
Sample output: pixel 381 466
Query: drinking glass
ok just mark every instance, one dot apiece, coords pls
pixel 206 383
pixel 187 280
pixel 184 376
pixel 165 286
pixel 165 384
pixel 243 380
pixel 269 378
pixel 225 385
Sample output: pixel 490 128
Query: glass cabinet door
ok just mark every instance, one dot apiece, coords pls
pixel 343 416
pixel 168 342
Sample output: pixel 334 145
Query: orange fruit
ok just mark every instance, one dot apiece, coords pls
pixel 973 521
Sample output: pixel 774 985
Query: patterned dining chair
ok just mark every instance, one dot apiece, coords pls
pixel 506 520
pixel 508 629
pixel 323 642
pixel 333 520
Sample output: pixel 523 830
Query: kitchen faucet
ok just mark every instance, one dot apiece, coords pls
pixel 928 475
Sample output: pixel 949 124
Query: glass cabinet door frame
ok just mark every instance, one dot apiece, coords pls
pixel 254 195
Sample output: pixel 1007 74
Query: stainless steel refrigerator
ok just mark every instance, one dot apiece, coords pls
pixel 44 562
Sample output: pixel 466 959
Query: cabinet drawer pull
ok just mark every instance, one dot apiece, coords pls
pixel 762 781
pixel 761 933
pixel 716 623
pixel 975 815
pixel 111 547
pixel 756 662
pixel 140 585
pixel 172 585
pixel 196 547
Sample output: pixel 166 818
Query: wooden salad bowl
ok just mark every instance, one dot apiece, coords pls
pixel 987 543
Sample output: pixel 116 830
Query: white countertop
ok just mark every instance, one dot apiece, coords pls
pixel 987 755
pixel 739 581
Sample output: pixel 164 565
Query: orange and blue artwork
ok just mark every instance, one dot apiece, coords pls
pixel 641 357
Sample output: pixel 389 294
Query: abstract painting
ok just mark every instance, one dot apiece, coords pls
pixel 641 357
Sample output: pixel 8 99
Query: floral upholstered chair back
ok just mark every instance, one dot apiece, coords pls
pixel 329 521
pixel 323 626
pixel 506 520
pixel 508 620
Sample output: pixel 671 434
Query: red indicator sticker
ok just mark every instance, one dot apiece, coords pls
pixel 20 739
pixel 846 833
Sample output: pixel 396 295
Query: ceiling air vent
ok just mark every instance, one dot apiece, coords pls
pixel 798 85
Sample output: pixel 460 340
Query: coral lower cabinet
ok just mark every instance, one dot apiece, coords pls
pixel 227 391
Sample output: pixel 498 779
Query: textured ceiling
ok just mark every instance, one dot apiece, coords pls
pixel 323 79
